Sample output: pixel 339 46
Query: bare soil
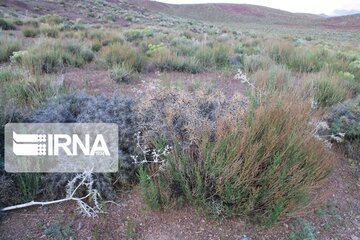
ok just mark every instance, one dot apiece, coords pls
pixel 336 216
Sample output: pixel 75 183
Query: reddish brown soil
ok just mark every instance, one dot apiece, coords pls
pixel 99 82
pixel 132 219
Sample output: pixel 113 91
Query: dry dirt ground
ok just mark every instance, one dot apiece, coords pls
pixel 336 216
pixel 99 82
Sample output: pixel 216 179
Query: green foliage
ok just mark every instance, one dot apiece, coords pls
pixel 345 118
pixel 31 32
pixel 96 47
pixel 121 73
pixel 166 61
pixel 29 184
pixel 9 74
pixel 7 47
pixel 58 230
pixel 136 34
pixel 149 189
pixel 153 48
pixel 184 46
pixel 262 169
pixel 6 25
pixel 32 93
pixel 50 58
pixel 305 231
pixel 87 55
pixel 205 56
pixel 51 19
pixel 221 56
pixel 254 63
pixel 328 92
pixel 50 32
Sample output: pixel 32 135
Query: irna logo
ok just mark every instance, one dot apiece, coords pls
pixel 61 147
pixel 55 144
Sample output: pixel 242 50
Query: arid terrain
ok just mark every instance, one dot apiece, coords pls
pixel 236 121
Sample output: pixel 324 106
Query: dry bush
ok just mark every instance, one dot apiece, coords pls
pixel 277 77
pixel 261 164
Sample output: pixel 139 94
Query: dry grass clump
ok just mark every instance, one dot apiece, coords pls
pixel 51 56
pixel 261 164
pixel 7 47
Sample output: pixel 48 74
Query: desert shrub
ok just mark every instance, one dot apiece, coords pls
pixel 8 193
pixel 51 19
pixel 31 32
pixel 152 49
pixel 345 118
pixel 221 56
pixel 80 107
pixel 87 55
pixel 254 63
pixel 262 166
pixel 10 74
pixel 276 78
pixel 328 89
pixel 32 23
pixel 121 73
pixel 116 54
pixel 32 93
pixel 7 47
pixel 351 82
pixel 205 56
pixel 50 32
pixel 166 61
pixel 96 47
pixel 6 25
pixel 184 46
pixel 29 186
pixel 301 58
pixel 51 57
pixel 308 60
pixel 136 34
pixel 303 230
pixel 280 51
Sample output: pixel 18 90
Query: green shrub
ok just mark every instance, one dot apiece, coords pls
pixel 7 47
pixel 221 56
pixel 121 73
pixel 9 74
pixel 150 190
pixel 6 25
pixel 262 167
pixel 117 54
pixel 254 63
pixel 51 19
pixel 184 46
pixel 166 61
pixel 32 93
pixel 29 185
pixel 205 56
pixel 345 118
pixel 328 92
pixel 304 230
pixel 96 47
pixel 87 55
pixel 50 58
pixel 137 34
pixel 31 32
pixel 50 32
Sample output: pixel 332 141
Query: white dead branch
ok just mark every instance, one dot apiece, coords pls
pixel 80 181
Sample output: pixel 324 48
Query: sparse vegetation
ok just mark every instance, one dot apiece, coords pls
pixel 247 103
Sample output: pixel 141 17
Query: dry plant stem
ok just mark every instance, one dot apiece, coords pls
pixel 33 203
